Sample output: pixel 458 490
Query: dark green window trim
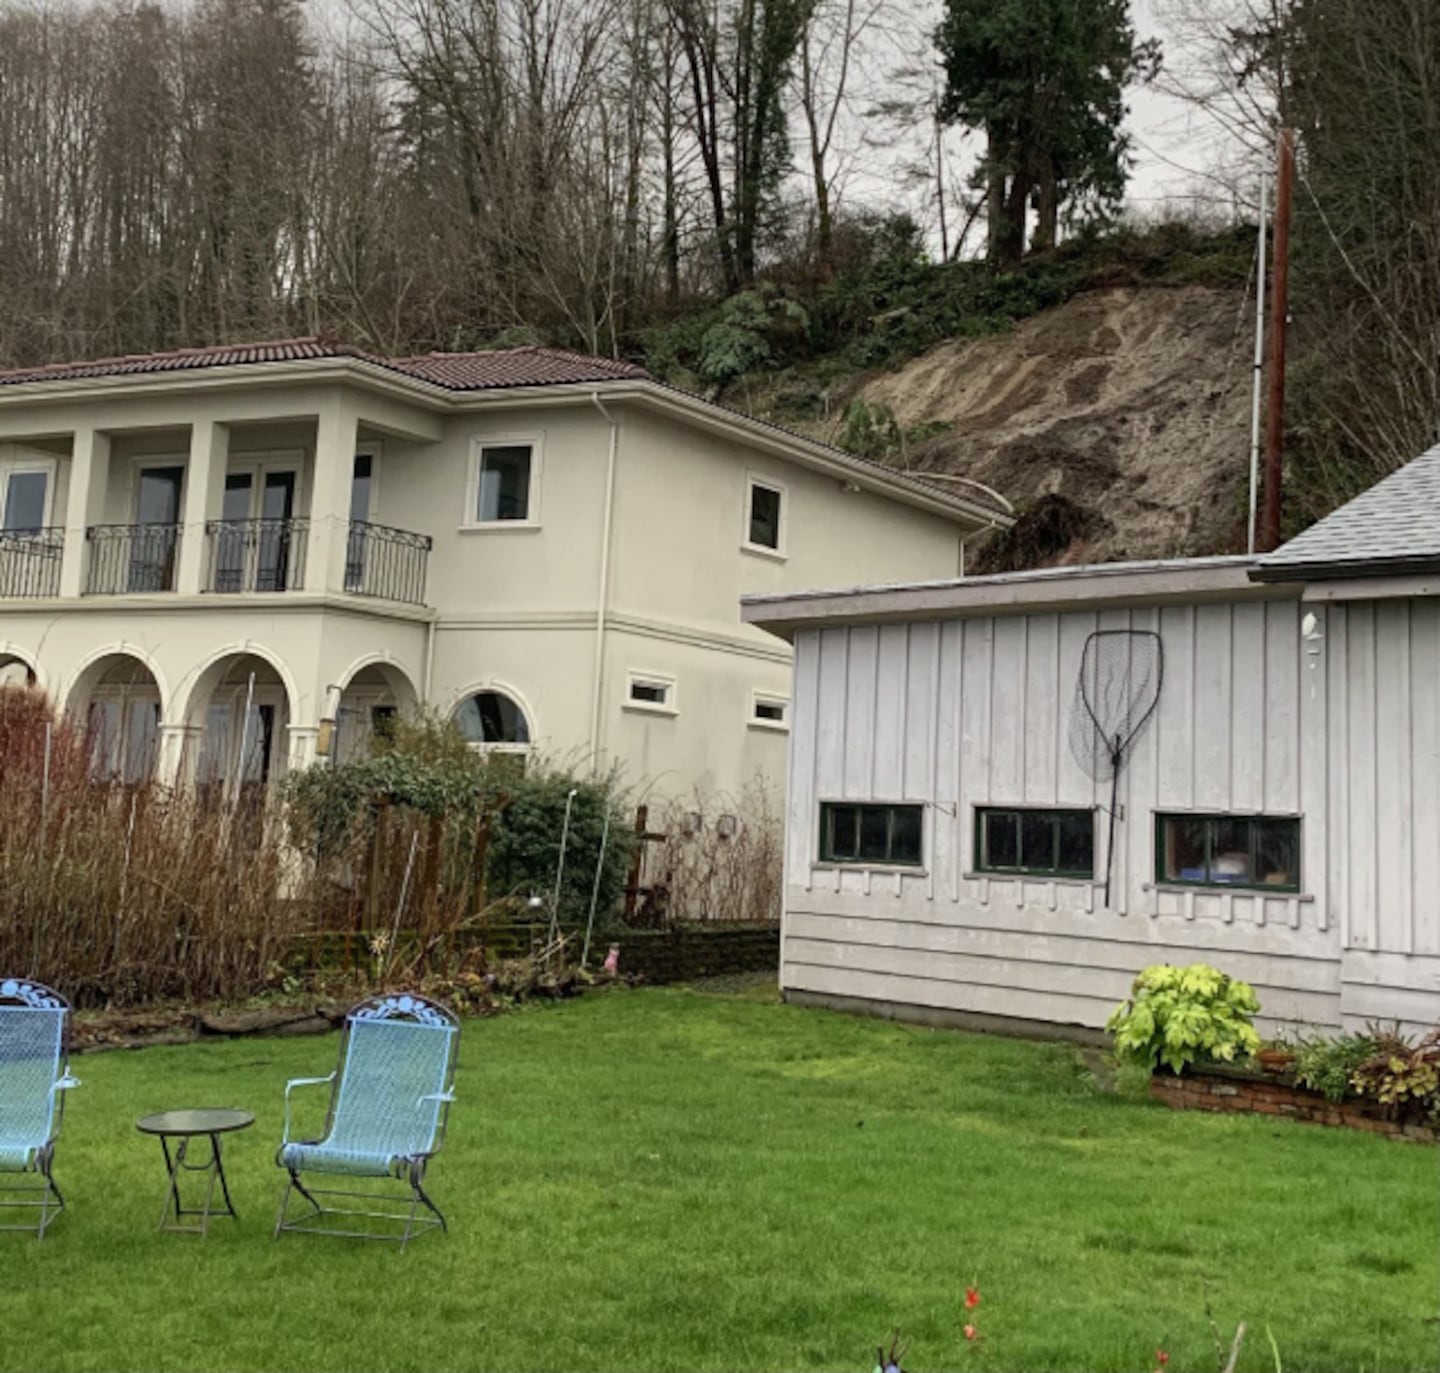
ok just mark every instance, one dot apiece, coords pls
pixel 1282 828
pixel 1032 865
pixel 870 834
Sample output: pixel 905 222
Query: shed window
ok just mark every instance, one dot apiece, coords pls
pixel 891 835
pixel 1048 843
pixel 1228 850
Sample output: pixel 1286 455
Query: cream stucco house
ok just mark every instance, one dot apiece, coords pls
pixel 206 554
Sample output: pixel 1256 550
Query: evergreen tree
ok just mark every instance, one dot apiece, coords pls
pixel 1044 81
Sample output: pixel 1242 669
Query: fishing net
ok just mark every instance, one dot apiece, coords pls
pixel 1121 671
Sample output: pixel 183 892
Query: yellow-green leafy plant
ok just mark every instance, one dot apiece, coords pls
pixel 1179 1016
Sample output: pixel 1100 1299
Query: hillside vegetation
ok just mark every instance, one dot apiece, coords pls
pixel 1103 388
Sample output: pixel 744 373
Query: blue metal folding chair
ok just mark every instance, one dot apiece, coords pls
pixel 34 1044
pixel 389 1101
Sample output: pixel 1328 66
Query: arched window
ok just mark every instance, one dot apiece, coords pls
pixel 490 718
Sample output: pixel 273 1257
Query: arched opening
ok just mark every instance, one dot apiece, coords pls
pixel 118 699
pixel 494 721
pixel 369 703
pixel 239 714
pixel 16 672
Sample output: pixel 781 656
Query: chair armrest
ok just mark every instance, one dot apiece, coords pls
pixel 301 1082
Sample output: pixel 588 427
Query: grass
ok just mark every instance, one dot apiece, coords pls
pixel 671 1180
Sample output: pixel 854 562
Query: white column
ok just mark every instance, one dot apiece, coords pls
pixel 204 492
pixel 179 753
pixel 302 746
pixel 336 432
pixel 84 503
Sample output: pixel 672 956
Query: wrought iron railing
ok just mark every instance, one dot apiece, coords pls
pixel 131 558
pixel 255 555
pixel 384 562
pixel 30 561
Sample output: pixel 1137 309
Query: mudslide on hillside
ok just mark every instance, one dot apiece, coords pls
pixel 1131 403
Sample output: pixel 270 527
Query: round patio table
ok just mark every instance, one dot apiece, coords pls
pixel 182 1127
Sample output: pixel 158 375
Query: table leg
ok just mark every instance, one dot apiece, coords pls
pixel 173 1165
pixel 220 1173
pixel 213 1168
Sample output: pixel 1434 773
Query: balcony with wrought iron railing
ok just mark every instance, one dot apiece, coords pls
pixel 386 563
pixel 30 561
pixel 255 555
pixel 131 558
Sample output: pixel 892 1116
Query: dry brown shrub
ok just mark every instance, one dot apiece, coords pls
pixel 721 859
pixel 118 894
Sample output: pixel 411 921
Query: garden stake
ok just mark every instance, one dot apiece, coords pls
pixel 560 866
pixel 595 890
pixel 400 904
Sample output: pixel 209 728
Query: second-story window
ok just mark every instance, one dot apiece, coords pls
pixel 503 477
pixel 764 516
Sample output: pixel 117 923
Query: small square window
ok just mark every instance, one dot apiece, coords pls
pixel 764 516
pixel 651 692
pixel 503 488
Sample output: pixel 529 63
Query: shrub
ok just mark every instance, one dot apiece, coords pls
pixel 722 858
pixel 119 894
pixel 524 852
pixel 1326 1065
pixel 1179 1016
pixel 1403 1075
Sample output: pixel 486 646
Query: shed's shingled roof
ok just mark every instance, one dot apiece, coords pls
pixel 1394 524
pixel 482 371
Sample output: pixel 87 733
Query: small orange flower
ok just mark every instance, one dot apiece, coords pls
pixel 970 1332
pixel 972 1298
pixel 1161 1357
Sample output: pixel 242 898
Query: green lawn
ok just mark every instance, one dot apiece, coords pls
pixel 670 1180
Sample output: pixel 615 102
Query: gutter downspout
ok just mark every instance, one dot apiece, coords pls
pixel 602 599
pixel 429 659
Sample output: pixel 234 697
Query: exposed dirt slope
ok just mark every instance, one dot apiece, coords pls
pixel 1132 403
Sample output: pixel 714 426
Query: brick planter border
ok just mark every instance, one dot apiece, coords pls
pixel 1239 1091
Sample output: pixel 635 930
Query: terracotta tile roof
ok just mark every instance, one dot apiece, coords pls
pixel 501 367
pixel 492 369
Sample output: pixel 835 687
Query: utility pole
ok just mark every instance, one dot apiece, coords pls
pixel 1257 373
pixel 1269 535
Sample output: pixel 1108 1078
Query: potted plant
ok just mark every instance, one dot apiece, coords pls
pixel 1275 1056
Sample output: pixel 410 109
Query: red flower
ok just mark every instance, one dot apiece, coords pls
pixel 1161 1357
pixel 972 1298
pixel 970 1332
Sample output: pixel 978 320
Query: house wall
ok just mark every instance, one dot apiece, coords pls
pixel 515 606
pixel 1382 662
pixel 518 603
pixel 975 711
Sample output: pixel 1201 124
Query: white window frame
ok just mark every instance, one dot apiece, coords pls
pixel 768 698
pixel 19 462
pixel 141 463
pixel 376 450
pixel 535 441
pixel 520 703
pixel 752 480
pixel 257 463
pixel 665 681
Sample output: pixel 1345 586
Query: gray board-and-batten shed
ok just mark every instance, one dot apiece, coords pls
pixel 1278 814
